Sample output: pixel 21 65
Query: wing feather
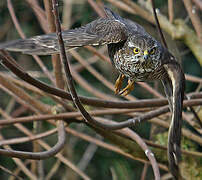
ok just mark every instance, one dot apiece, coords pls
pixel 99 32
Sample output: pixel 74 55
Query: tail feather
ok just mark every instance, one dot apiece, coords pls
pixel 174 86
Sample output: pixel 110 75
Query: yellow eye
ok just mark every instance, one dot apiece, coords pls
pixel 136 50
pixel 153 50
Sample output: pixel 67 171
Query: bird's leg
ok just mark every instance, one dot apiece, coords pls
pixel 128 88
pixel 119 83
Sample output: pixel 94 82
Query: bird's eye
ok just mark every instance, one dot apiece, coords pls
pixel 136 50
pixel 153 50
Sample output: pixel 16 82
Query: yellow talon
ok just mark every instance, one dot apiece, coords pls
pixel 118 83
pixel 128 88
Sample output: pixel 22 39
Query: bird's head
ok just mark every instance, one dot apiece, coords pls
pixel 143 48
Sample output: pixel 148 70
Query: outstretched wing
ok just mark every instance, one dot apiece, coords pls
pixel 101 31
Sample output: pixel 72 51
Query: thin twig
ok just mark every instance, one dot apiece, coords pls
pixel 39 13
pixel 19 100
pixel 53 170
pixel 10 172
pixel 15 21
pixel 17 170
pixel 87 155
pixel 158 25
pixel 150 89
pixel 57 66
pixel 27 139
pixel 20 163
pixel 194 18
pixel 21 33
pixel 40 155
pixel 198 3
pixel 24 96
pixel 98 10
pixel 66 13
pixel 193 78
pixel 170 11
pixel 144 172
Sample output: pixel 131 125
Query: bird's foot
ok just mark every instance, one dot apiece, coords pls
pixel 128 88
pixel 119 83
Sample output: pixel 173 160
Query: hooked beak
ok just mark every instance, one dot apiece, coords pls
pixel 145 55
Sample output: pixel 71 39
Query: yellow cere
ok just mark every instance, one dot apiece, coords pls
pixel 146 52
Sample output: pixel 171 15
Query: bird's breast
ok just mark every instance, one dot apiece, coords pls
pixel 138 69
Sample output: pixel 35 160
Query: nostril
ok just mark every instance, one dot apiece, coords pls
pixel 145 56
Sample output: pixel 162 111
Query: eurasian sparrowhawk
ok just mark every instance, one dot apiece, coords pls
pixel 136 55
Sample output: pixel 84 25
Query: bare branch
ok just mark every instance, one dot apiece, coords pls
pixel 40 14
pixel 57 66
pixel 10 172
pixel 27 139
pixel 194 18
pixel 158 25
pixel 40 155
pixel 170 11
pixel 21 33
pixel 98 10
pixel 198 3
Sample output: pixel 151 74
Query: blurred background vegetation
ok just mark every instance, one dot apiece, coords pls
pixel 96 162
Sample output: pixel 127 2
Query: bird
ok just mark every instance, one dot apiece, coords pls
pixel 133 52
